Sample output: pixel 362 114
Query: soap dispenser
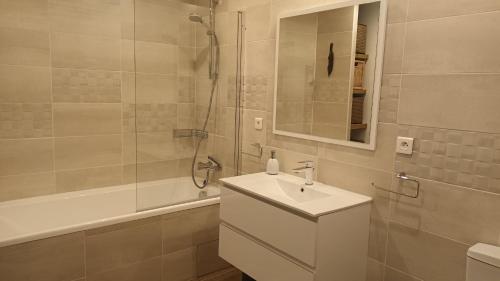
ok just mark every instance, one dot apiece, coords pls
pixel 273 166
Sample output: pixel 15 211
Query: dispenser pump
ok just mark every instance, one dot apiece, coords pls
pixel 272 167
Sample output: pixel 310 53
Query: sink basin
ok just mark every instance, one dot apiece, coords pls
pixel 296 192
pixel 291 192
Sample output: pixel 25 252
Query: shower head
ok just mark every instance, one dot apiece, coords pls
pixel 195 18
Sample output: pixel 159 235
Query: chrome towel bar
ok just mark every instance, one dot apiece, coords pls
pixel 402 176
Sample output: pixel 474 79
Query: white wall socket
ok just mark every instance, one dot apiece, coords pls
pixel 258 123
pixel 404 145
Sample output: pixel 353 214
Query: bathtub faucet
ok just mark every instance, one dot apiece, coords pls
pixel 211 165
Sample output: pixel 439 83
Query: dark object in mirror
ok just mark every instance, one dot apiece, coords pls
pixel 331 59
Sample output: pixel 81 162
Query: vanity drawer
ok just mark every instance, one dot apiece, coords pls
pixel 283 230
pixel 256 260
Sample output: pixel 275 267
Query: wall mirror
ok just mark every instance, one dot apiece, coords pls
pixel 328 70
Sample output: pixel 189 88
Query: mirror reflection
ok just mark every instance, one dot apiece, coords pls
pixel 326 73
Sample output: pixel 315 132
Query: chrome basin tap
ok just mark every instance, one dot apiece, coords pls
pixel 308 170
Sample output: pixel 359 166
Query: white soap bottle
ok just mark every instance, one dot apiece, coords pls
pixel 273 166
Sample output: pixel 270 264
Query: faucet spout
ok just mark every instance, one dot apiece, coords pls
pixel 308 170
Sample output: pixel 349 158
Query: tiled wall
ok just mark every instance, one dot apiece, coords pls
pixel 61 65
pixel 174 247
pixel 69 111
pixel 331 93
pixel 439 87
pixel 298 41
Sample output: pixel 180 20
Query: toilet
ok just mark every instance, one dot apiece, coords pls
pixel 483 263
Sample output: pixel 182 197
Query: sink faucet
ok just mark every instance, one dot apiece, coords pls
pixel 308 170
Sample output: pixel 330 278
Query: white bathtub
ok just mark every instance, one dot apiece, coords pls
pixel 46 216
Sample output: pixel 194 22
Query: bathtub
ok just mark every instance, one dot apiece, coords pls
pixel 41 217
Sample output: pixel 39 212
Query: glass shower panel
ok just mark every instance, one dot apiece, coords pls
pixel 172 88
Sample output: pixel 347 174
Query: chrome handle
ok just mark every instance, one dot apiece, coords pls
pixel 309 163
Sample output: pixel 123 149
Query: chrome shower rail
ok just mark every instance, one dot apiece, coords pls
pixel 187 133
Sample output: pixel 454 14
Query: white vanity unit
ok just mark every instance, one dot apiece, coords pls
pixel 276 228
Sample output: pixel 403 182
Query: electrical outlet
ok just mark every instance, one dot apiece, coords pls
pixel 258 123
pixel 404 145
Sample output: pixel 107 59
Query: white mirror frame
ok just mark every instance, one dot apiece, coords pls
pixel 378 71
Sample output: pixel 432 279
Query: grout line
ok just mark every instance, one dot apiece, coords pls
pixel 52 111
pixel 448 129
pixel 443 73
pixel 450 16
pixel 402 272
pixel 429 232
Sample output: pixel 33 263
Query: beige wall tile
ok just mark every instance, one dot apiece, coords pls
pixel 73 180
pixel 82 51
pixel 459 216
pixel 156 88
pixel 128 87
pixel 463 158
pixel 394 47
pixel 258 22
pixel 121 245
pixel 183 230
pixel 84 152
pixel 331 113
pixel 53 259
pixel 90 17
pixel 127 11
pixel 253 135
pixel 397 10
pixel 25 14
pixel 149 270
pixel 465 102
pixel 26 120
pixel 26 185
pixel 358 179
pixel 150 171
pixel 13 86
pixel 71 119
pixel 428 51
pixel 337 20
pixel 186 61
pixel 180 265
pixel 127 55
pixel 382 158
pixel 129 148
pixel 225 24
pixel 73 85
pixel 260 58
pixel 208 260
pixel 158 21
pixel 389 98
pixel 24 47
pixel 156 147
pixel 156 57
pixel 17 156
pixel 186 89
pixel 374 271
pixel 425 255
pixel 428 9
pixel 395 275
pixel 156 117
pixel 378 238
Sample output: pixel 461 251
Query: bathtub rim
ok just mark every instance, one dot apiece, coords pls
pixel 109 221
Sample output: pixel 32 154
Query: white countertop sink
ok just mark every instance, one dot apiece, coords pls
pixel 291 192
